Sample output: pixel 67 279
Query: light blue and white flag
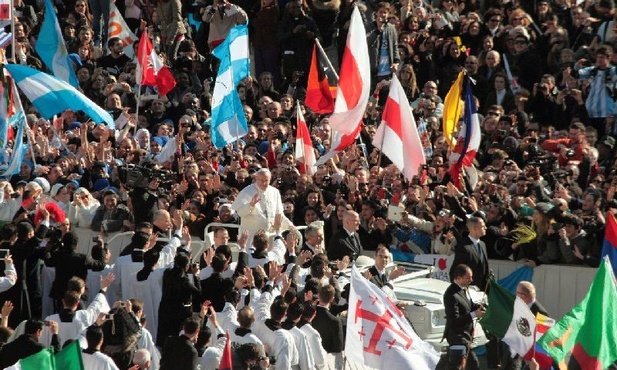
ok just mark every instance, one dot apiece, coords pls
pixel 50 95
pixel 228 120
pixel 51 47
pixel 5 38
pixel 19 148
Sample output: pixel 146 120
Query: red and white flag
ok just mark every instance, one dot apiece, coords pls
pixel 354 81
pixel 378 335
pixel 397 135
pixel 305 154
pixel 339 143
pixel 150 68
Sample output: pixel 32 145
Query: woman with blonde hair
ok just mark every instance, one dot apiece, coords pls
pixel 82 208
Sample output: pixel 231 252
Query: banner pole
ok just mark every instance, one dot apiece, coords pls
pixel 13 33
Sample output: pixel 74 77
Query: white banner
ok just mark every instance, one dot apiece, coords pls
pixel 117 27
pixel 379 335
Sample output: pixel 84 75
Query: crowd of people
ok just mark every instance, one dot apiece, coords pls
pixel 544 78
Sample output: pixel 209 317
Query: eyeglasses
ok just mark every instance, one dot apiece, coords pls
pixel 492 114
pixel 517 19
pixel 495 20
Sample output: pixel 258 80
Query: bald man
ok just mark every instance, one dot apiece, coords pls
pixel 346 241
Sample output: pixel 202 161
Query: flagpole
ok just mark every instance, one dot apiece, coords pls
pixel 31 141
pixel 329 64
pixel 13 33
pixel 535 333
pixel 141 77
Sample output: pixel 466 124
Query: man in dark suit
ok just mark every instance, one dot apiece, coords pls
pixel 179 352
pixel 378 274
pixel 213 288
pixel 527 292
pixel 329 326
pixel 471 251
pixel 28 344
pixel 460 314
pixel 346 241
pixel 68 263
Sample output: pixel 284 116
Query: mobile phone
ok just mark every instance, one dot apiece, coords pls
pixel 47 323
pixel 4 253
pixel 109 316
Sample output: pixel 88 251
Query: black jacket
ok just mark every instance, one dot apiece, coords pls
pixel 459 323
pixel 466 253
pixel 341 245
pixel 22 347
pixel 331 330
pixel 69 264
pixel 178 353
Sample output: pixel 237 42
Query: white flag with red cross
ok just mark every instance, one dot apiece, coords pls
pixel 379 335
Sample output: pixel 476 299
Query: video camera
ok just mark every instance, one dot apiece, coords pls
pixel 139 177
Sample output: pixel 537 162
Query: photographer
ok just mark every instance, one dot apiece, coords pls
pixel 222 16
pixel 570 148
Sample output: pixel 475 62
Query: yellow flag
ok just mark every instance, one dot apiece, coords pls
pixel 452 108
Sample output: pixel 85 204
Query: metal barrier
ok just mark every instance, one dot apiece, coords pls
pixel 235 248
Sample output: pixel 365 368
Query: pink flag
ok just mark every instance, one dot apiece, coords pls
pixel 354 81
pixel 397 135
pixel 150 68
pixel 378 335
pixel 305 154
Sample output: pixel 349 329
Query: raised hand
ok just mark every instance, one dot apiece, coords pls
pixel 243 240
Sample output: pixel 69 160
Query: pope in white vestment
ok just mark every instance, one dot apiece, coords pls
pixel 258 204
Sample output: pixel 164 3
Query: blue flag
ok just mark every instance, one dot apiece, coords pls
pixel 50 95
pixel 19 148
pixel 511 281
pixel 51 47
pixel 228 120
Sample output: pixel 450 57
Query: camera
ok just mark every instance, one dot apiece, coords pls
pixel 570 153
pixel 327 178
pixel 139 176
pixel 425 166
pixel 289 168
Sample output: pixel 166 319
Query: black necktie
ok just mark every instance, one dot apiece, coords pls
pixel 479 250
pixel 354 242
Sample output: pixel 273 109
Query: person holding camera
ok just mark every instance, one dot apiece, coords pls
pixel 28 344
pixel 222 16
pixel 600 102
pixel 570 148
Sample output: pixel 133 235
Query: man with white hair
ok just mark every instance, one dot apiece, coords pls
pixel 141 359
pixel 258 204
